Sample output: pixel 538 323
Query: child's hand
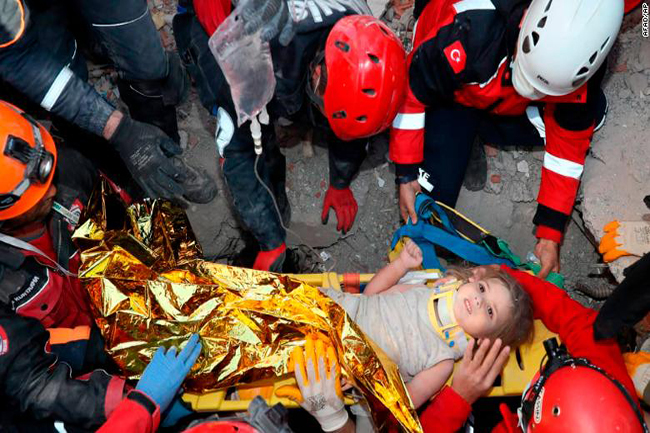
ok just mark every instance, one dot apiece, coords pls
pixel 411 255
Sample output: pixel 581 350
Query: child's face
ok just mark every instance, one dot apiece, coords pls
pixel 482 307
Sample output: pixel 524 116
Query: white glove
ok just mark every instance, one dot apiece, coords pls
pixel 320 390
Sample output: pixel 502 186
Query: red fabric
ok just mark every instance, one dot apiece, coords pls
pixel 549 233
pixel 61 302
pixel 557 191
pixel 211 13
pixel 114 395
pixel 131 417
pixel 631 4
pixel 510 421
pixel 447 412
pixel 574 324
pixel 265 259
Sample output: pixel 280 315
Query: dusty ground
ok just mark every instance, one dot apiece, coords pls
pixel 616 176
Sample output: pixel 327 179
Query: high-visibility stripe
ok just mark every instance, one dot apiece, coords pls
pixel 409 121
pixel 562 166
pixel 67 335
pixel 21 30
pixel 124 23
pixel 468 5
pixel 56 88
pixel 535 117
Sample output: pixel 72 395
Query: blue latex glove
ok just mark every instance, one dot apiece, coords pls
pixel 175 413
pixel 165 373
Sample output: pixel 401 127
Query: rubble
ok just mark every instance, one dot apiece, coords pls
pixel 506 206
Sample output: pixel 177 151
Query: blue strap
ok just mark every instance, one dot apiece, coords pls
pixel 426 236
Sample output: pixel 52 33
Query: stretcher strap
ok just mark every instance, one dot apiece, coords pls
pixel 352 283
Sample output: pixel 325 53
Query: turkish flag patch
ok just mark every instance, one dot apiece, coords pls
pixel 456 56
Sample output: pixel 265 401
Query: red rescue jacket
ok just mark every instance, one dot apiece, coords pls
pixel 463 52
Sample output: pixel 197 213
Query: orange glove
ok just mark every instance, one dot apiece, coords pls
pixel 625 238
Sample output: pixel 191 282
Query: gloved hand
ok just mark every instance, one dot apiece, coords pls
pixel 319 391
pixel 625 238
pixel 145 150
pixel 165 373
pixel 152 158
pixel 175 413
pixel 272 16
pixel 345 206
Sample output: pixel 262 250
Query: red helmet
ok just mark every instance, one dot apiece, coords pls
pixel 571 394
pixel 366 77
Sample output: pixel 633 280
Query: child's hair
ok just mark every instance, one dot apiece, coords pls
pixel 519 329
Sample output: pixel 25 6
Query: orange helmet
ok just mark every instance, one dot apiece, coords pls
pixel 572 394
pixel 365 81
pixel 27 161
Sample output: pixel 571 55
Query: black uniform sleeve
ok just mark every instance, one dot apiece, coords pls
pixel 620 313
pixel 32 379
pixel 345 158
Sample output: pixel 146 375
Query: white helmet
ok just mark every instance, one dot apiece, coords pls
pixel 562 43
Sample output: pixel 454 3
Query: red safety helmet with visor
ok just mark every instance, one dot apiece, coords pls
pixel 358 80
pixel 27 161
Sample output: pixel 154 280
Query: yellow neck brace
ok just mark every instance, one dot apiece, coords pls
pixel 441 315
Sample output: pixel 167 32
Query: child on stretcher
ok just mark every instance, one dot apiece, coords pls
pixel 424 329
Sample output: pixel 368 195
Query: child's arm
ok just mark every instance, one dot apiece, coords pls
pixel 428 382
pixel 389 275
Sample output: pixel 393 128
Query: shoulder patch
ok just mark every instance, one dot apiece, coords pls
pixel 456 56
pixel 4 341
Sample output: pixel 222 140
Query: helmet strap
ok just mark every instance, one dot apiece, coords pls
pixel 558 357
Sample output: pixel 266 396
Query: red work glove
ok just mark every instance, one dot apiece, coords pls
pixel 345 206
pixel 211 13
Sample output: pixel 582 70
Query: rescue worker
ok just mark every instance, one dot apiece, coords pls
pixel 38 261
pixel 39 57
pixel 334 68
pixel 513 72
pixel 37 368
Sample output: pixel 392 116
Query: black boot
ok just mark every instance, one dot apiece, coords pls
pixel 155 101
pixel 476 173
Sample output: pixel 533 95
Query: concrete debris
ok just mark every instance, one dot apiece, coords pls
pixel 183 142
pixel 519 192
pixel 522 167
pixel 158 19
pixel 624 93
pixel 491 151
pixel 644 56
pixel 506 206
pixel 380 181
pixel 637 83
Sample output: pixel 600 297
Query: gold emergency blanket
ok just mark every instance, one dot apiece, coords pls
pixel 148 286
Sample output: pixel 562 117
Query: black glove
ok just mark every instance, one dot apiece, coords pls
pixel 272 16
pixel 141 146
pixel 628 304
